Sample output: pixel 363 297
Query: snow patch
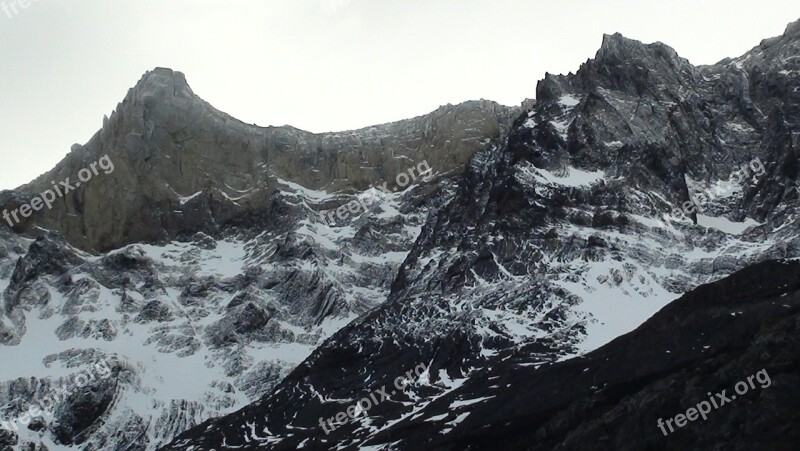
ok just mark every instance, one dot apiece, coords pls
pixel 570 177
pixel 726 225
pixel 569 101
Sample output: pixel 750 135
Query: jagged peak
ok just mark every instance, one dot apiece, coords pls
pixel 626 58
pixel 777 49
pixel 616 39
pixel 789 35
pixel 793 29
pixel 162 81
pixel 618 46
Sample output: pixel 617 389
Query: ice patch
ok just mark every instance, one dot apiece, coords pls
pixel 468 402
pixel 569 101
pixel 725 224
pixel 317 195
pixel 571 177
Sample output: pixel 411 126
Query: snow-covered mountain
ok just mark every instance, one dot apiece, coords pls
pixel 562 236
pixel 213 281
pixel 233 313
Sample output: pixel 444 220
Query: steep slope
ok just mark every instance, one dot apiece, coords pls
pixel 181 166
pixel 228 268
pixel 709 340
pixel 705 342
pixel 563 236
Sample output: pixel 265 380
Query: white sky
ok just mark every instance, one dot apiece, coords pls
pixel 321 65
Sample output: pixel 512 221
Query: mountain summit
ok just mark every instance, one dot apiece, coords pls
pixel 627 184
pixel 180 163
pixel 560 275
pixel 209 246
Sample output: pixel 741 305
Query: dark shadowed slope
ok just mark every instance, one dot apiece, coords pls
pixel 706 341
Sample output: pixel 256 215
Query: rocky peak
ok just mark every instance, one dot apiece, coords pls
pixel 162 83
pixel 625 65
pixel 182 166
pixel 779 49
pixel 616 48
pixel 793 29
pixel 634 67
pixel 557 228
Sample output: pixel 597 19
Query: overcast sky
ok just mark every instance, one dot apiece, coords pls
pixel 321 65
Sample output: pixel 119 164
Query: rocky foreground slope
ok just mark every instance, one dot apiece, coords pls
pixel 562 236
pixel 701 345
pixel 708 341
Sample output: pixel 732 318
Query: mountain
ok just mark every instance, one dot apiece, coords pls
pixel 181 166
pixel 613 398
pixel 625 185
pixel 707 341
pixel 205 259
pixel 218 285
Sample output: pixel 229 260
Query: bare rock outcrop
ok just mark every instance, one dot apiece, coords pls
pixel 180 166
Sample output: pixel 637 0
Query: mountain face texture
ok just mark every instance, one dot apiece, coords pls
pixel 244 284
pixel 562 236
pixel 200 303
pixel 612 398
pixel 181 166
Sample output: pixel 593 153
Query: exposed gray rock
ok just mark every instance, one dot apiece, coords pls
pixel 181 167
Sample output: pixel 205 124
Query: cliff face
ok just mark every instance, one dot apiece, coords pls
pixel 719 335
pixel 236 250
pixel 250 259
pixel 627 184
pixel 181 166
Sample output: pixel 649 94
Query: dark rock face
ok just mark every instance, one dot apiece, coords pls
pixel 37 424
pixel 154 311
pixel 79 416
pixel 706 341
pixel 44 258
pixel 561 236
pixel 7 439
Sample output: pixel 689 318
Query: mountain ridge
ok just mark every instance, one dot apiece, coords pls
pixel 541 235
pixel 200 251
pixel 555 229
pixel 167 144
